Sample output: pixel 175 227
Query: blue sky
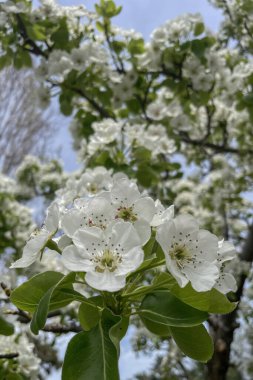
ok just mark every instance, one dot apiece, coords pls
pixel 143 16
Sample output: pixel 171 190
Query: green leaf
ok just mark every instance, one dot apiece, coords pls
pixel 118 331
pixel 88 316
pixel 6 328
pixel 100 26
pixel 164 280
pixel 195 342
pixel 66 103
pixel 155 327
pixel 40 314
pixel 162 307
pixel 28 295
pixel 61 36
pixel 92 354
pixel 22 59
pixel 5 60
pixel 136 46
pixel 199 28
pixel 199 47
pixel 219 304
pixel 211 301
pixel 146 175
pixel 36 32
pixel 142 154
pixel 118 46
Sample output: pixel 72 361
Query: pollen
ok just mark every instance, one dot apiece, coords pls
pixel 127 214
pixel 109 260
pixel 180 254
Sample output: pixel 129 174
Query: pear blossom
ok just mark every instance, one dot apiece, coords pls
pixel 39 239
pixel 156 110
pixel 94 212
pixel 129 205
pixel 106 256
pixel 191 254
pixel 226 281
pixel 90 183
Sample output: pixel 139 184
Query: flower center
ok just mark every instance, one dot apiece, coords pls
pixel 109 260
pixel 180 254
pixel 127 214
pixel 92 188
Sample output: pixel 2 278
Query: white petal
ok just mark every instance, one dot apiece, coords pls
pixel 169 213
pixel 176 272
pixel 143 230
pixel 32 250
pixel 89 239
pixel 186 224
pixel 164 235
pixel 52 219
pixel 131 261
pixel 73 260
pixel 207 244
pixel 124 234
pixel 64 241
pixel 226 283
pixel 145 208
pixel 25 261
pixel 162 216
pixel 105 281
pixel 226 250
pixel 125 192
pixel 72 220
pixel 202 275
pixel 100 211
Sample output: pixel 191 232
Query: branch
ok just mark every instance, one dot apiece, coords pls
pixel 103 113
pixel 11 355
pixel 120 69
pixel 35 48
pixel 217 148
pixel 56 328
pixel 62 329
pixel 223 327
pixel 227 10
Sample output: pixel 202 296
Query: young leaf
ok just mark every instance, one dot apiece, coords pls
pixel 92 354
pixel 88 316
pixel 164 280
pixel 40 314
pixel 118 331
pixel 195 342
pixel 162 307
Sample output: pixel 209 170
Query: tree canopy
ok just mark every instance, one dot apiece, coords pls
pixel 154 123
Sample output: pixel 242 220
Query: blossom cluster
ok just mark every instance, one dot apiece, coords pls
pixel 26 364
pixel 215 78
pixel 114 137
pixel 16 219
pixel 101 225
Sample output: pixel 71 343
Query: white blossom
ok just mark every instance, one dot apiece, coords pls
pixel 106 256
pixel 190 253
pixel 39 239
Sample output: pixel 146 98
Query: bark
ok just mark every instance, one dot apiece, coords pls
pixel 223 327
